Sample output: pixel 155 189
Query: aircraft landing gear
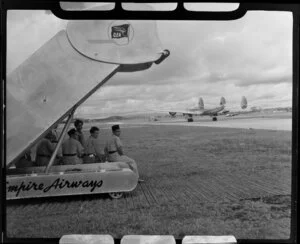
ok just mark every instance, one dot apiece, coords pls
pixel 214 119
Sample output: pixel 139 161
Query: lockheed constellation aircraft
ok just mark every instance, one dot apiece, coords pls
pixel 201 111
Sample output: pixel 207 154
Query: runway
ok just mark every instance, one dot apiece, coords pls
pixel 282 121
pixel 265 122
pixel 250 123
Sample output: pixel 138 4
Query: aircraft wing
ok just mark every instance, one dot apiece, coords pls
pixel 187 112
pixel 63 73
pixel 43 88
pixel 243 106
pixel 231 114
pixel 177 111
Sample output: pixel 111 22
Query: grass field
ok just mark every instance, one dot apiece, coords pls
pixel 198 181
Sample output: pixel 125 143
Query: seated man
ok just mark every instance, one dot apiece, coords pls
pixel 44 150
pixel 72 149
pixel 114 150
pixel 80 137
pixel 54 140
pixel 25 160
pixel 55 134
pixel 93 151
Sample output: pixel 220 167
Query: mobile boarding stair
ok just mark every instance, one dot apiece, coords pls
pixel 47 88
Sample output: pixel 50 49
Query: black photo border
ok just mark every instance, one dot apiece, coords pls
pixel 178 14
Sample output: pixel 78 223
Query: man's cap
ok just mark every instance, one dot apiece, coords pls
pixel 77 122
pixel 72 131
pixel 115 127
pixel 93 129
pixel 49 135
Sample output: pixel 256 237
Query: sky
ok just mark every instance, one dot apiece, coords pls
pixel 249 57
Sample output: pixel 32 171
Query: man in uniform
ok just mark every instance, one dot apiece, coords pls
pixel 114 150
pixel 78 125
pixel 25 160
pixel 55 133
pixel 55 141
pixel 44 150
pixel 93 151
pixel 72 149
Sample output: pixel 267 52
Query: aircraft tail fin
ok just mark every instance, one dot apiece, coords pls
pixel 201 104
pixel 222 101
pixel 244 102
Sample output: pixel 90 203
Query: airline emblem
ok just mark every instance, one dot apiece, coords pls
pixel 120 32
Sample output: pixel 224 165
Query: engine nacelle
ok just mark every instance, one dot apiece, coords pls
pixel 172 113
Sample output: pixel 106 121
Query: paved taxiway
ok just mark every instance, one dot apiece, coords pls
pixel 266 122
pixel 281 121
pixel 251 123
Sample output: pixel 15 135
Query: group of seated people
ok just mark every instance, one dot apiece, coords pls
pixel 77 150
pixel 74 150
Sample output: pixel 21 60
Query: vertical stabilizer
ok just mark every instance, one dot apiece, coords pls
pixel 243 102
pixel 201 104
pixel 222 101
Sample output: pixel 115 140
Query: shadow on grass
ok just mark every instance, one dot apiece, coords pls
pixel 58 199
pixel 275 199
